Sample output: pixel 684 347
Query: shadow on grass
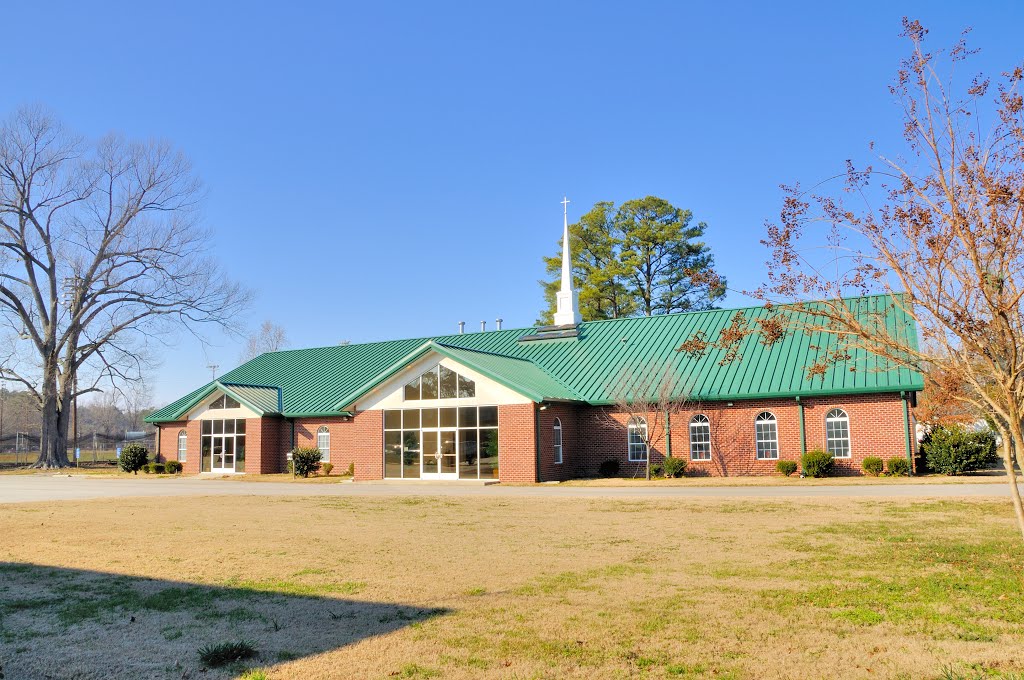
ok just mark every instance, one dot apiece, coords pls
pixel 59 622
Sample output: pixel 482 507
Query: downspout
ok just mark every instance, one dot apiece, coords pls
pixel 291 448
pixel 906 432
pixel 158 429
pixel 668 433
pixel 803 435
pixel 536 442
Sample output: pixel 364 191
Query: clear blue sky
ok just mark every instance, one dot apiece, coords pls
pixel 383 170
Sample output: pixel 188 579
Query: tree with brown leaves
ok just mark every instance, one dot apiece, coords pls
pixel 940 227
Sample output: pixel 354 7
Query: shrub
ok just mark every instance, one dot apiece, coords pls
pixel 872 465
pixel 817 463
pixel 351 471
pixel 133 457
pixel 156 468
pixel 327 467
pixel 608 468
pixel 674 467
pixel 955 450
pixel 897 467
pixel 173 467
pixel 216 656
pixel 306 460
pixel 786 467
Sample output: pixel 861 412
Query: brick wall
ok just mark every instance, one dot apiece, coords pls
pixel 876 429
pixel 345 441
pixel 365 438
pixel 572 460
pixel 168 441
pixel 267 442
pixel 517 444
pixel 590 435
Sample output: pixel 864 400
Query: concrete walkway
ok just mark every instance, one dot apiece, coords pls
pixel 42 487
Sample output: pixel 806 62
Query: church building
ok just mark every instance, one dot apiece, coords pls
pixel 540 404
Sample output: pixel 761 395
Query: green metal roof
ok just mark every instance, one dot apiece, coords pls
pixel 319 381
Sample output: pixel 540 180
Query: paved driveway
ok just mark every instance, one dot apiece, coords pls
pixel 42 487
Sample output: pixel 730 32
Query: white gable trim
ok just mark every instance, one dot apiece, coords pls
pixel 391 393
pixel 202 410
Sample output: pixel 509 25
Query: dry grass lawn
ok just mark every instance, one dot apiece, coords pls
pixel 420 587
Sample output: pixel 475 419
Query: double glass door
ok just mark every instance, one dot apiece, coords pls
pixel 439 454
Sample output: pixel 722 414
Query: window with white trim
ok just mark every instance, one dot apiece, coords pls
pixel 323 442
pixel 700 437
pixel 637 438
pixel 440 382
pixel 224 401
pixel 837 433
pixel 556 437
pixel 182 446
pixel 766 434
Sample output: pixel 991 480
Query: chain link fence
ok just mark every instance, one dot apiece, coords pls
pixel 94 448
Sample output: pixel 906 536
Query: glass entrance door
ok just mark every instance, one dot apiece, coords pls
pixel 439 454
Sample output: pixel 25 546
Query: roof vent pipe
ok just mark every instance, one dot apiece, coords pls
pixel 462 327
pixel 483 326
pixel 497 324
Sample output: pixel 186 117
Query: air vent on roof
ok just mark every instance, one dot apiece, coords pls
pixel 552 333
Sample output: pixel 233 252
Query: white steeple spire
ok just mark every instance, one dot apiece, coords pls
pixel 567 300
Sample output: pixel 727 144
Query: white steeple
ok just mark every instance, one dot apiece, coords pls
pixel 567 312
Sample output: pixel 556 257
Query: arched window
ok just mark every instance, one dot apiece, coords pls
pixel 323 442
pixel 766 434
pixel 837 433
pixel 700 437
pixel 556 437
pixel 182 446
pixel 637 437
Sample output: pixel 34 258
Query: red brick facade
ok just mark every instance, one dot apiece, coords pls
pixel 517 443
pixel 590 436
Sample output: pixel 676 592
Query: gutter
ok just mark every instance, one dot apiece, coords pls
pixel 785 395
pixel 803 434
pixel 906 432
pixel 536 443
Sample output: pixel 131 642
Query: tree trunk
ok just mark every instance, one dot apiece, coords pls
pixel 1011 474
pixel 53 439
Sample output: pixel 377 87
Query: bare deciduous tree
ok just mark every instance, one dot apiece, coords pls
pixel 101 253
pixel 940 228
pixel 269 338
pixel 647 397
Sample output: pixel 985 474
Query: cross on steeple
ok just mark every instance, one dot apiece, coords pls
pixel 567 299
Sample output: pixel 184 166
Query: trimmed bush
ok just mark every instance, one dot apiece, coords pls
pixel 133 457
pixel 327 467
pixel 786 467
pixel 817 463
pixel 608 468
pixel 157 468
pixel 673 467
pixel 351 471
pixel 872 465
pixel 173 467
pixel 306 460
pixel 897 467
pixel 955 450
